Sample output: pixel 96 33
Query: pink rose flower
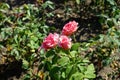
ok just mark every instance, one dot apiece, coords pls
pixel 50 41
pixel 65 42
pixel 69 28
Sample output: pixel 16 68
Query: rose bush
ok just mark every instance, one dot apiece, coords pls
pixel 70 28
pixel 64 63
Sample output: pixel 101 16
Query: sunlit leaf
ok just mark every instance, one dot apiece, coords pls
pixel 77 76
pixel 25 64
pixel 78 1
pixel 63 61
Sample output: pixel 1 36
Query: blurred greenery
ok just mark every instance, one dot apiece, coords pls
pixel 23 29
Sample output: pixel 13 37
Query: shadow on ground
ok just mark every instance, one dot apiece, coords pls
pixel 11 71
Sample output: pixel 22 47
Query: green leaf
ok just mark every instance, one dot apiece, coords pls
pixel 73 53
pixel 85 61
pixel 90 71
pixel 89 75
pixel 63 61
pixel 55 59
pixel 78 1
pixel 48 65
pixel 91 68
pixel 28 13
pixel 77 76
pixel 34 38
pixel 63 74
pixel 16 38
pixel 63 53
pixel 26 77
pixel 4 6
pixel 55 73
pixel 2 35
pixel 82 68
pixel 68 70
pixel 75 46
pixel 25 64
pixel 50 53
pixel 112 2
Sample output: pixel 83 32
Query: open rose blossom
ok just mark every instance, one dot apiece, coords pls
pixel 69 28
pixel 65 42
pixel 50 41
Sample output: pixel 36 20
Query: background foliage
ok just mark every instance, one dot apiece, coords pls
pixel 23 28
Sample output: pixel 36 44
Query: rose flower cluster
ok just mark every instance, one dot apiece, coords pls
pixel 62 40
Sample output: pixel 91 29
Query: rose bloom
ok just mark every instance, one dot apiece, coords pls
pixel 69 28
pixel 65 42
pixel 50 41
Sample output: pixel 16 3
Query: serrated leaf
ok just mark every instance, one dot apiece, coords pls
pixel 82 68
pixel 77 76
pixel 90 71
pixel 91 67
pixel 63 61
